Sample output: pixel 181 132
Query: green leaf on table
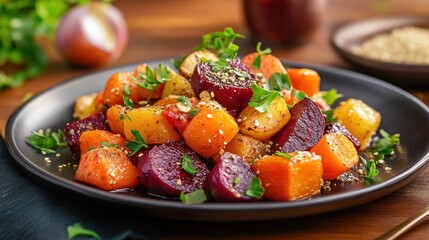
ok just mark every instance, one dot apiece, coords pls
pixel 77 229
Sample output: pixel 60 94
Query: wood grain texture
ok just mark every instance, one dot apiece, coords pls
pixel 166 28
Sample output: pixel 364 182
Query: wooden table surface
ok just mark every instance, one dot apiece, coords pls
pixel 166 28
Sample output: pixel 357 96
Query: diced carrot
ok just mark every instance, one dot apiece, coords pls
pixel 108 169
pixel 338 154
pixel 98 138
pixel 210 130
pixel 297 176
pixel 146 93
pixel 269 64
pixel 114 89
pixel 304 79
pixel 115 117
pixel 164 102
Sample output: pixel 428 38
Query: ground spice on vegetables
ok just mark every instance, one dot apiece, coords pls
pixel 406 45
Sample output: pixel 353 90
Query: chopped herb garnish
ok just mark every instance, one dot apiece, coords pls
pixel 184 100
pixel 279 81
pixel 219 65
pixel 187 165
pixel 331 96
pixel 257 63
pixel 137 144
pixel 255 189
pixel 370 168
pixel 329 116
pixel 107 144
pixel 236 180
pixel 178 62
pixel 222 42
pixel 152 80
pixel 385 145
pixel 261 98
pixel 46 141
pixel 126 96
pixel 282 154
pixel 78 230
pixel 193 112
pixel 196 197
pixel 299 94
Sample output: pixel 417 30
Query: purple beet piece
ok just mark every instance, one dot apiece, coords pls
pixel 229 180
pixel 230 86
pixel 73 130
pixel 304 129
pixel 161 171
pixel 337 127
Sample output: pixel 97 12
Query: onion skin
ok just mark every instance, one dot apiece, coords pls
pixel 79 47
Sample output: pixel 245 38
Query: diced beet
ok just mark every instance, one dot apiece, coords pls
pixel 337 127
pixel 161 172
pixel 304 129
pixel 73 130
pixel 230 86
pixel 229 180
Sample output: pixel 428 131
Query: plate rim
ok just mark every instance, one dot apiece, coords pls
pixel 386 186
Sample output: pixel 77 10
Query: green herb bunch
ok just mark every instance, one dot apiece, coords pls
pixel 22 24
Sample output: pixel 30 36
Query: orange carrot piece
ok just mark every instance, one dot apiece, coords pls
pixel 210 130
pixel 269 64
pixel 114 89
pixel 164 102
pixel 304 79
pixel 108 169
pixel 115 117
pixel 98 138
pixel 290 178
pixel 338 154
pixel 146 93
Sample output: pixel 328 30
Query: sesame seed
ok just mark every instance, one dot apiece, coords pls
pixel 209 115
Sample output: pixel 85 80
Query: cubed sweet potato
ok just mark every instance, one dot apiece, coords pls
pixel 99 138
pixel 297 176
pixel 108 169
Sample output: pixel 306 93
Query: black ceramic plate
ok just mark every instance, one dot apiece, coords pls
pixel 401 112
pixel 350 36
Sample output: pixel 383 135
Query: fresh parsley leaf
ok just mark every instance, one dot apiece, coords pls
pixel 178 62
pixel 77 229
pixel 282 154
pixel 299 94
pixel 152 80
pixel 385 145
pixel 257 63
pixel 222 42
pixel 370 169
pixel 46 141
pixel 137 144
pixel 236 180
pixel 126 97
pixel 193 112
pixel 279 81
pixel 219 65
pixel 196 197
pixel 187 165
pixel 261 98
pixel 184 100
pixel 329 116
pixel 255 189
pixel 107 144
pixel 331 96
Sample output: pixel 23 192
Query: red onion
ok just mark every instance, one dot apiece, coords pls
pixel 92 35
